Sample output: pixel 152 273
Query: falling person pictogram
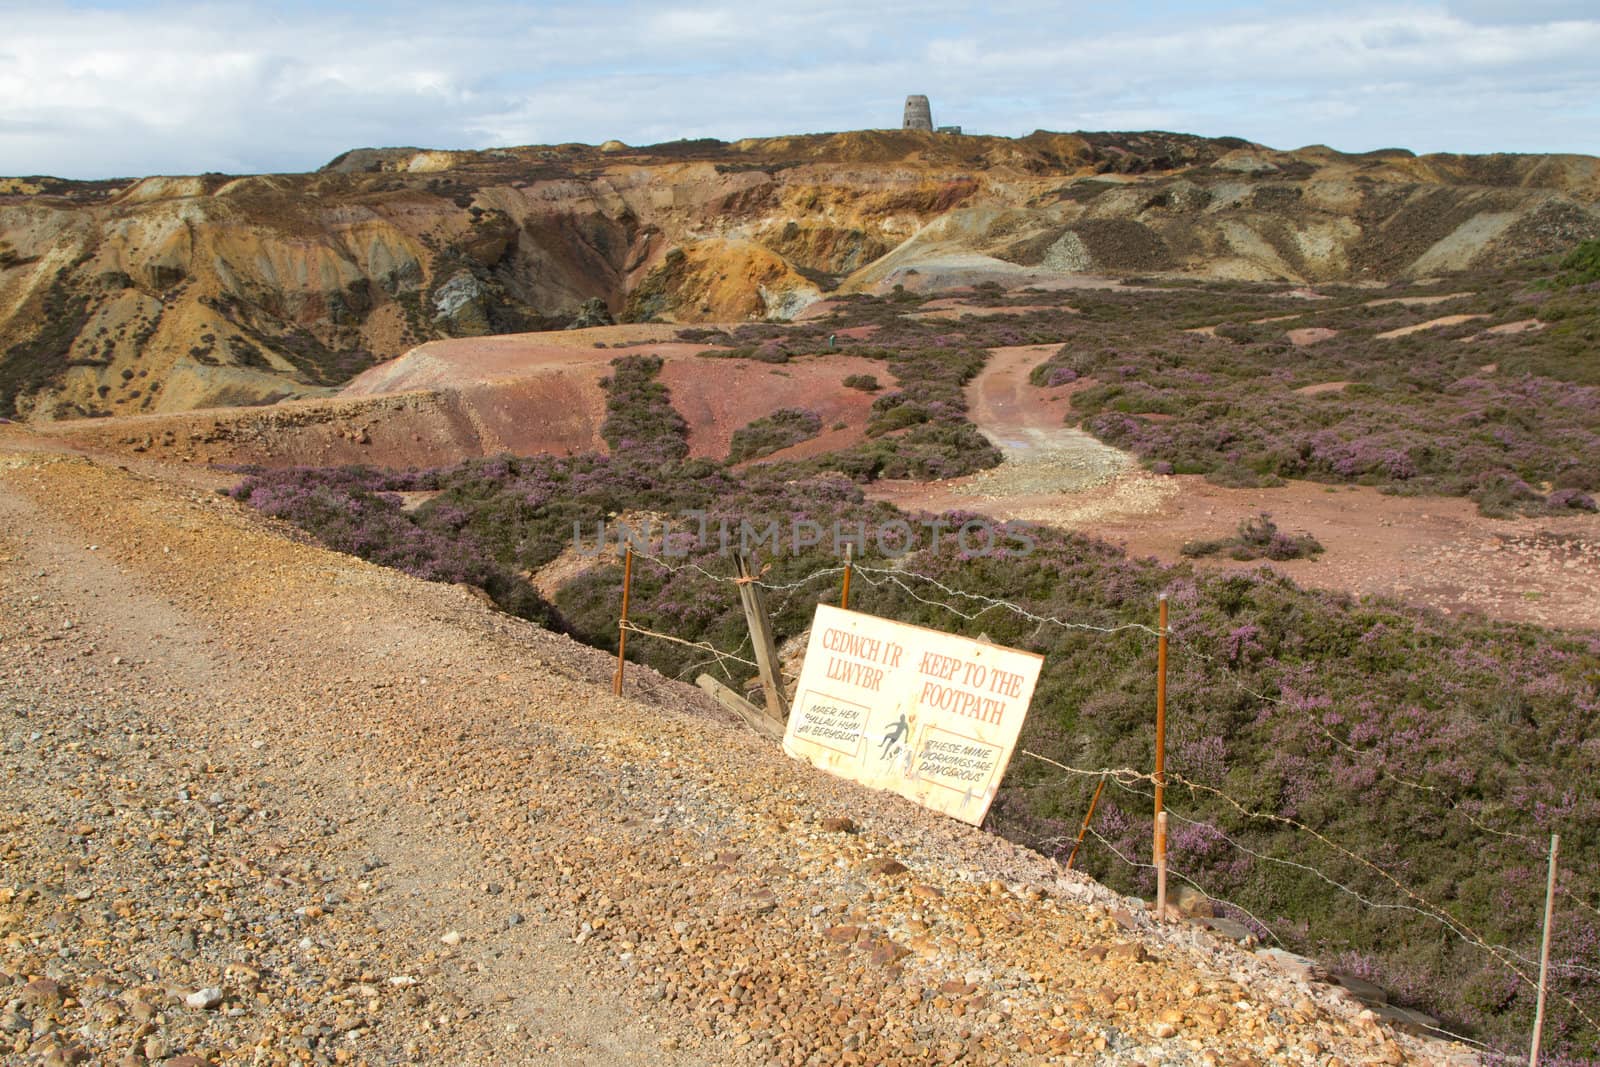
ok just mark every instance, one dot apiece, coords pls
pixel 891 740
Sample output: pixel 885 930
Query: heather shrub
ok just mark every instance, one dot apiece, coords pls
pixel 640 420
pixel 1581 266
pixel 702 335
pixel 1257 537
pixel 768 434
pixel 350 511
pixel 1416 414
pixel 867 383
pixel 1571 498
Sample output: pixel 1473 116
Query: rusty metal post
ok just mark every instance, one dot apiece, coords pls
pixel 1084 829
pixel 844 594
pixel 1161 727
pixel 1544 952
pixel 1161 867
pixel 622 621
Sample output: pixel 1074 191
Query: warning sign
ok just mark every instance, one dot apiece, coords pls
pixel 929 715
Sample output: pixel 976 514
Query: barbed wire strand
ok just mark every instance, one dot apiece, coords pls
pixel 1577 899
pixel 1456 926
pixel 728 579
pixel 703 646
pixel 894 578
pixel 1462 929
pixel 1184 877
pixel 1121 779
pixel 1184 645
pixel 1062 840
pixel 1450 804
pixel 991 603
pixel 1526 958
pixel 1435 1028
pixel 1171 870
pixel 717 661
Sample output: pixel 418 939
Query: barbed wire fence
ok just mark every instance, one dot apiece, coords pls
pixel 879 577
pixel 971 607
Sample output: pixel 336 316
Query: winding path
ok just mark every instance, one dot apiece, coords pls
pixel 1042 453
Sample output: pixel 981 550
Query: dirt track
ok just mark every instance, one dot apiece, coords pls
pixel 1042 454
pixel 386 823
pixel 1434 551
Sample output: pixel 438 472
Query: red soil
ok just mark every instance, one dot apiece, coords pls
pixel 520 393
pixel 718 397
pixel 1433 551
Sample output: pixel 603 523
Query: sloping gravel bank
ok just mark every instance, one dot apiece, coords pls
pixel 263 803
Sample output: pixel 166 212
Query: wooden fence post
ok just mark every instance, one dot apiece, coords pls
pixel 1084 829
pixel 622 621
pixel 1544 952
pixel 754 717
pixel 755 615
pixel 844 594
pixel 1159 849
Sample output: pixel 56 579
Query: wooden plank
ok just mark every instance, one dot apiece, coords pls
pixel 755 615
pixel 757 719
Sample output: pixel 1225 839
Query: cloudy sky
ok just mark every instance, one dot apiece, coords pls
pixel 101 88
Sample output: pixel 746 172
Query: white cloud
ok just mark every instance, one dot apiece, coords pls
pixel 693 27
pixel 190 86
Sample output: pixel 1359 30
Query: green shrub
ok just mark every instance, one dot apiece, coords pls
pixel 1581 266
pixel 1257 538
pixel 769 434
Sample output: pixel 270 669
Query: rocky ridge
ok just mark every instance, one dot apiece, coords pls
pixel 171 293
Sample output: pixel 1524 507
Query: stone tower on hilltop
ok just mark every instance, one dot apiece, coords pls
pixel 919 116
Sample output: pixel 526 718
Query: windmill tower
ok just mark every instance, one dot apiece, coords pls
pixel 918 116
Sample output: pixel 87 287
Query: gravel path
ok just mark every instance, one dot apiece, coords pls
pixel 1042 455
pixel 1050 472
pixel 263 803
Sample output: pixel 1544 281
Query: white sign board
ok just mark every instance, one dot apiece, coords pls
pixel 929 715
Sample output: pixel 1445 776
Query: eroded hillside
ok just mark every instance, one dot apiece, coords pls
pixel 167 294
